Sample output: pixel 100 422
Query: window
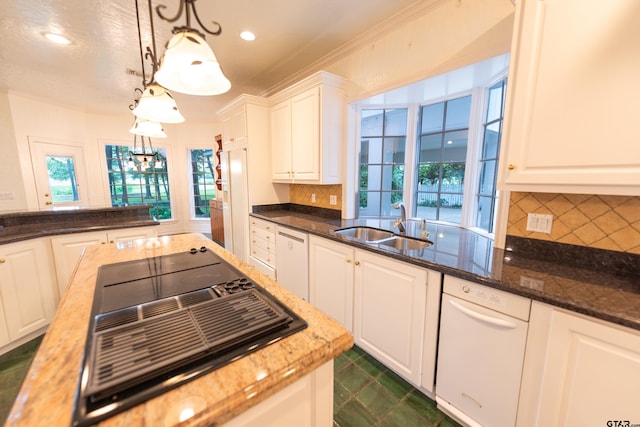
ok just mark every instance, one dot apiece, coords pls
pixel 203 183
pixel 442 154
pixel 62 179
pixel 486 196
pixel 382 151
pixel 139 180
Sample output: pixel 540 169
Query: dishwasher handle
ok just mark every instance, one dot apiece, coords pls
pixel 483 317
pixel 289 236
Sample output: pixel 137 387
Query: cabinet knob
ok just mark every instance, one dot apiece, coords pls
pixel 349 260
pixel 357 263
pixel 511 166
pixel 48 203
pixel 2 260
pixel 103 243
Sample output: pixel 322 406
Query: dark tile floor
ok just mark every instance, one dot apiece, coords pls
pixel 366 393
pixel 13 368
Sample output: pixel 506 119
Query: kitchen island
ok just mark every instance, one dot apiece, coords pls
pixel 257 380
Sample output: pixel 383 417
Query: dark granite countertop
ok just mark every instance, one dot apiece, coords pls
pixel 610 290
pixel 19 226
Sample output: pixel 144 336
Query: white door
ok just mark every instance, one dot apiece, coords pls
pixel 60 174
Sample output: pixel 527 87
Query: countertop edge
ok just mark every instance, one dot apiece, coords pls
pixel 576 306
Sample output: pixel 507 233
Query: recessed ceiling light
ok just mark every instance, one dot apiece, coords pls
pixel 247 35
pixel 57 38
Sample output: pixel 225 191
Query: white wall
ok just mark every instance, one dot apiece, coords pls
pixel 11 185
pixel 35 119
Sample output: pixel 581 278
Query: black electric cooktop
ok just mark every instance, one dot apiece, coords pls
pixel 159 322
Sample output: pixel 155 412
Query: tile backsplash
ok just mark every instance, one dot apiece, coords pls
pixel 301 194
pixel 595 221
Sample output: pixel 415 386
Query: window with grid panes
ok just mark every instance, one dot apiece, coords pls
pixel 134 182
pixel 442 152
pixel 382 160
pixel 203 187
pixel 486 196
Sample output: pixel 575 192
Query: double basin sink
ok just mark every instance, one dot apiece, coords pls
pixel 378 236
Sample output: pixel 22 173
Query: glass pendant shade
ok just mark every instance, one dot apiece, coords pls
pixel 147 128
pixel 157 105
pixel 189 66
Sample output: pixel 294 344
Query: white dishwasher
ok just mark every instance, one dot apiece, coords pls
pixel 483 332
pixel 292 262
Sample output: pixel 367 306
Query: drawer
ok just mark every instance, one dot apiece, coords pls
pixel 265 245
pixel 262 225
pixel 263 234
pixel 264 256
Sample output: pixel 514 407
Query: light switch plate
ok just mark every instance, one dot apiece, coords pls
pixel 540 223
pixel 333 200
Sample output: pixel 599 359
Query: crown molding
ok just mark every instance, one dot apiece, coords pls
pixel 412 12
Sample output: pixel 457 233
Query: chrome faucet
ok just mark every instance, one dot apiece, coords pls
pixel 402 221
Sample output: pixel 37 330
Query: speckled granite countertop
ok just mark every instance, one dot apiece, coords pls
pixel 47 394
pixel 19 226
pixel 458 252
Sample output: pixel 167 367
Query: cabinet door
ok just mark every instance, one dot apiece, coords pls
pixel 26 287
pixel 573 90
pixel 67 250
pixel 4 331
pixel 281 141
pixel 234 129
pixel 588 371
pixel 389 316
pixel 305 135
pixel 331 279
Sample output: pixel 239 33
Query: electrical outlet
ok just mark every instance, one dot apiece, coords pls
pixel 540 223
pixel 333 200
pixel 7 195
pixel 313 198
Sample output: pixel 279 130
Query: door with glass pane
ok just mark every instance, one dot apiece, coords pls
pixel 60 174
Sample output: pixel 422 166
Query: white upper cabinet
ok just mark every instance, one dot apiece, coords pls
pixel 234 127
pixel 307 131
pixel 571 119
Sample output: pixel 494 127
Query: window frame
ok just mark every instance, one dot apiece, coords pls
pixel 479 101
pixel 170 172
pixel 192 207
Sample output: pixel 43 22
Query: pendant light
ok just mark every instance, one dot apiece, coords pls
pixel 189 65
pixel 156 104
pixel 147 128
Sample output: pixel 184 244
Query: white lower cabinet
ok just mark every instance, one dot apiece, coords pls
pixel 307 402
pixel 68 248
pixel 578 371
pixel 389 312
pixel 27 295
pixel 331 279
pixel 391 307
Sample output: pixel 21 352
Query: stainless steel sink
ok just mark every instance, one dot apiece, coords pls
pixel 366 234
pixel 405 243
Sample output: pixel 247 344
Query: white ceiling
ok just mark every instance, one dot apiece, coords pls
pixel 91 73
